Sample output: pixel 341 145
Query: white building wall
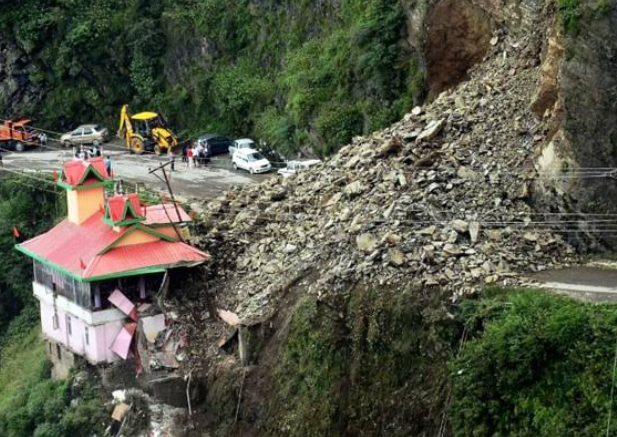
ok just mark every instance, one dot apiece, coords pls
pixel 103 326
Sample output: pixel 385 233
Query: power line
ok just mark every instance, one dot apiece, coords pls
pixel 590 172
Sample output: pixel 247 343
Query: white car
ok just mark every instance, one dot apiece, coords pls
pixel 294 167
pixel 251 161
pixel 243 144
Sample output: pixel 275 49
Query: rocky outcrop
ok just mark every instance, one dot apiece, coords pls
pixel 458 34
pixel 588 104
pixel 575 100
pixel 17 91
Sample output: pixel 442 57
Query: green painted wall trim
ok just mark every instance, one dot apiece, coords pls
pixel 128 207
pixel 129 222
pixel 48 263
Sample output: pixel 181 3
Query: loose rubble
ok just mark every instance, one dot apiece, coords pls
pixel 441 199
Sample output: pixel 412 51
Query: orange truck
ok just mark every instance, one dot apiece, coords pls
pixel 17 135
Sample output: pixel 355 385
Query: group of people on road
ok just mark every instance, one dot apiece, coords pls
pixel 194 155
pixel 84 153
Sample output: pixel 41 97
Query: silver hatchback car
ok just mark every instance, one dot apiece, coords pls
pixel 85 134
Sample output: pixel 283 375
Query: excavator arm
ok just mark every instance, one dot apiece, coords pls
pixel 125 130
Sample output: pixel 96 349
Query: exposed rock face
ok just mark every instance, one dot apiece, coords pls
pixel 458 35
pixel 17 92
pixel 588 100
pixel 547 94
pixel 575 100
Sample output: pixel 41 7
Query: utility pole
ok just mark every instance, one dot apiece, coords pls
pixel 165 180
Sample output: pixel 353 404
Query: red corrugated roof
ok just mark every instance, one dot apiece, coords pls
pixel 74 171
pixel 70 247
pixel 161 214
pixel 117 205
pixel 140 256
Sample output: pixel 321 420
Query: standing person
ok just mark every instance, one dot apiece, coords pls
pixel 189 158
pixel 43 139
pixel 1 162
pixel 199 152
pixel 108 164
pixel 185 147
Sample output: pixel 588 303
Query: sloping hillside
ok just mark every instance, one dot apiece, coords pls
pixel 302 75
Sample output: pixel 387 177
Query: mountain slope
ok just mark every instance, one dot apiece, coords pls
pixel 319 267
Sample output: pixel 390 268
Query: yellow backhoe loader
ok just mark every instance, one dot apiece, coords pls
pixel 146 132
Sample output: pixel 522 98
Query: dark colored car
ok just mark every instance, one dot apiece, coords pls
pixel 215 144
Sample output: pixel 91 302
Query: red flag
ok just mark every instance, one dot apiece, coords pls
pixel 54 175
pixel 82 264
pixel 16 233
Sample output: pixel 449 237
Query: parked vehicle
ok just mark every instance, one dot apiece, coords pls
pixel 251 161
pixel 215 144
pixel 294 167
pixel 85 134
pixel 146 131
pixel 243 144
pixel 17 134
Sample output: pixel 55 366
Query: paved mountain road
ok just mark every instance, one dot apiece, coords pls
pixel 596 282
pixel 188 184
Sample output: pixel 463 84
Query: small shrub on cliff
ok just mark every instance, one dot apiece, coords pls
pixel 569 12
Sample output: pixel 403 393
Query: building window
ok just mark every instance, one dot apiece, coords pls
pixel 97 297
pixel 58 351
pixel 55 321
pixel 87 334
pixel 69 328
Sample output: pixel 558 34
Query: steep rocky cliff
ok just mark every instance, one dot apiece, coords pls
pixel 18 94
pixel 577 96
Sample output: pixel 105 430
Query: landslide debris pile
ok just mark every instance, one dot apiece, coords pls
pixel 442 198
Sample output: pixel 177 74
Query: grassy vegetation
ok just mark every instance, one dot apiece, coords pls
pixel 359 371
pixel 534 365
pixel 539 366
pixel 32 404
pixel 32 211
pixel 299 74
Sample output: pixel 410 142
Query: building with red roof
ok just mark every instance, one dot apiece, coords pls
pixel 110 250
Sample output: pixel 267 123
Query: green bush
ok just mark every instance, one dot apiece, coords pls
pixel 32 404
pixel 336 125
pixel 31 211
pixel 570 14
pixel 542 367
